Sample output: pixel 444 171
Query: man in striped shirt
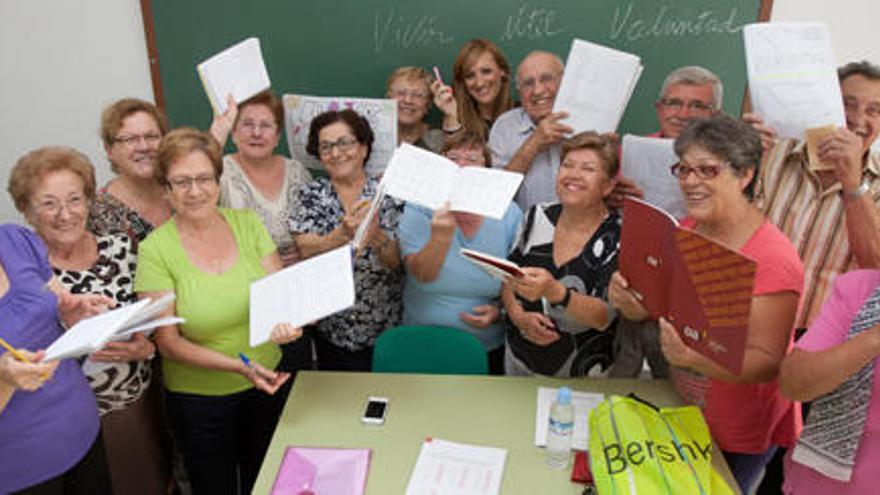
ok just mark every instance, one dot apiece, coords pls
pixel 830 216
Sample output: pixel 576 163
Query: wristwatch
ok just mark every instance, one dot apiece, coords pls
pixel 856 193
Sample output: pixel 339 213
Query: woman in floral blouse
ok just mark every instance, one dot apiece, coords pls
pixel 328 214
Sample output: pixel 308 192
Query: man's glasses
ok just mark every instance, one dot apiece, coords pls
pixel 693 105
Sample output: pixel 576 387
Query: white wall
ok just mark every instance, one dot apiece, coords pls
pixel 64 60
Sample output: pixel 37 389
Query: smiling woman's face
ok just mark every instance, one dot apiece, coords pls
pixel 59 208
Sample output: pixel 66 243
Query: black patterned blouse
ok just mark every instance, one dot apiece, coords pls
pixel 115 384
pixel 378 289
pixel 108 215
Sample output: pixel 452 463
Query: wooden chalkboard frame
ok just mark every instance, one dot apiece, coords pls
pixel 764 12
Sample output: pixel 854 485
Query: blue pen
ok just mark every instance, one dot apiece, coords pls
pixel 247 362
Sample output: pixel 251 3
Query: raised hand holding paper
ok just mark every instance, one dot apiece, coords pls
pixel 238 71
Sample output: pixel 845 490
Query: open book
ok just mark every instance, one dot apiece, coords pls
pixel 596 86
pixel 91 334
pixel 431 180
pixel 238 70
pixel 499 268
pixel 702 287
pixel 302 293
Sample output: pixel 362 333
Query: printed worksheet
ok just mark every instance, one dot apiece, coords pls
pixel 431 180
pixel 596 86
pixel 450 468
pixel 583 403
pixel 238 70
pixel 302 293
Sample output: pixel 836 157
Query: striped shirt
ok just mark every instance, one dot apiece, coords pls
pixel 812 217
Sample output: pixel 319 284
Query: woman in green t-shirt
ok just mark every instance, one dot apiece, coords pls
pixel 223 411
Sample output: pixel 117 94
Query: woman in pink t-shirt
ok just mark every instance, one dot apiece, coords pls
pixel 746 414
pixel 826 367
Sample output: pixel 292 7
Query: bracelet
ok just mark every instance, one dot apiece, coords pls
pixel 565 299
pixel 855 193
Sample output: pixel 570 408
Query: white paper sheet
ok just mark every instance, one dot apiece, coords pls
pixel 428 179
pixel 238 70
pixel 583 403
pixel 450 468
pixel 596 86
pixel 299 110
pixel 646 161
pixel 792 76
pixel 91 334
pixel 302 293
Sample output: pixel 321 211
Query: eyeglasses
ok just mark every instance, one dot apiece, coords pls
pixel 401 94
pixel 186 183
pixel 705 172
pixel 529 83
pixel 151 138
pixel 872 110
pixel 251 126
pixel 53 206
pixel 693 105
pixel 343 144
pixel 464 158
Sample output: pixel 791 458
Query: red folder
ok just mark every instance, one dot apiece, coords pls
pixel 701 286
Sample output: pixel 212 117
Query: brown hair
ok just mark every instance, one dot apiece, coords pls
pixel 604 145
pixel 113 115
pixel 467 138
pixel 34 166
pixel 271 102
pixel 468 113
pixel 183 141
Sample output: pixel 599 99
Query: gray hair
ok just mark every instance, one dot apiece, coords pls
pixel 863 68
pixel 560 65
pixel 695 76
pixel 730 139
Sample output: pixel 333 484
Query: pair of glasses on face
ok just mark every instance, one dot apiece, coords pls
pixel 186 183
pixel 261 127
pixel 402 94
pixel 530 83
pixel 343 144
pixel 53 206
pixel 703 171
pixel 150 138
pixel 693 105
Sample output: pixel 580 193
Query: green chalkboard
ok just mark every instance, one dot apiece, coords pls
pixel 348 47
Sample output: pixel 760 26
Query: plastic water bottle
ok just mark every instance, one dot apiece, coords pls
pixel 560 429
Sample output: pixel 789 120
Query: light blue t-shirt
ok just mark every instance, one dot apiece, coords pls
pixel 460 286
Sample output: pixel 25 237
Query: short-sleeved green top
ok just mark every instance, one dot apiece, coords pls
pixel 215 306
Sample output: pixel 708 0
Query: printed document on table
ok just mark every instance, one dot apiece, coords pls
pixel 302 293
pixel 793 76
pixel 238 70
pixel 445 467
pixel 647 161
pixel 583 403
pixel 596 86
pixel 431 180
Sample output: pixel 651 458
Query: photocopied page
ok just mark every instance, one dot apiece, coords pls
pixel 238 70
pixel 647 161
pixel 793 77
pixel 431 180
pixel 91 334
pixel 596 86
pixel 457 468
pixel 583 403
pixel 302 293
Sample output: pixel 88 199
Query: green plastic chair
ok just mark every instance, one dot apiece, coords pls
pixel 427 349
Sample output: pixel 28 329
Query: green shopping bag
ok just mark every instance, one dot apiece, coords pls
pixel 636 448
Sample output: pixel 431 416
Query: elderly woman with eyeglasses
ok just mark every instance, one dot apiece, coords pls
pixel 411 87
pixel 132 203
pixel 442 287
pixel 746 414
pixel 328 214
pixel 223 408
pixel 53 187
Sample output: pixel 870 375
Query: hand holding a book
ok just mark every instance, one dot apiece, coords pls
pixel 550 130
pixel 624 300
pixel 75 307
pixel 222 124
pixel 138 348
pixel 443 223
pixel 266 380
pixel 676 352
pixel 284 333
pixel 537 283
pixel 767 133
pixel 623 187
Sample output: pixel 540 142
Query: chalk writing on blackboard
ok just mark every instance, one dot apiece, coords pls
pixel 395 30
pixel 633 26
pixel 532 22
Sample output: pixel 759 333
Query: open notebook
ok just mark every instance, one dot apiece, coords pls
pixel 91 334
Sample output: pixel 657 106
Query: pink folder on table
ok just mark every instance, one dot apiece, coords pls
pixel 318 470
